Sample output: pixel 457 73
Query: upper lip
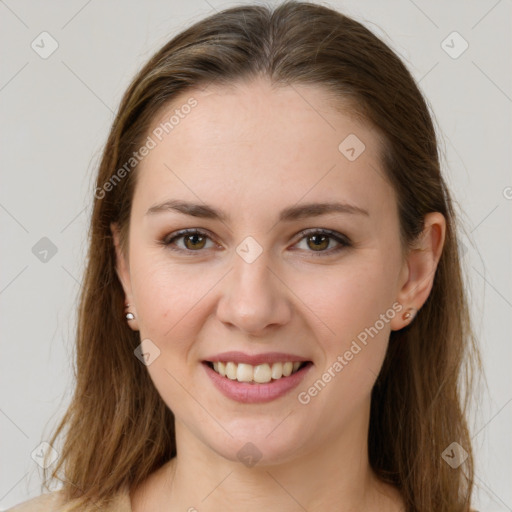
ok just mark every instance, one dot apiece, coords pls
pixel 255 359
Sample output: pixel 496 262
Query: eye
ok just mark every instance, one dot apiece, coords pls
pixel 194 240
pixel 320 240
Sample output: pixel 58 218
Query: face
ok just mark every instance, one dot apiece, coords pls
pixel 311 285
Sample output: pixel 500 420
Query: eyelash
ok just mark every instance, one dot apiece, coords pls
pixel 338 237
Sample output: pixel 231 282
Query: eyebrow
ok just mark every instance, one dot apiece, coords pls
pixel 288 214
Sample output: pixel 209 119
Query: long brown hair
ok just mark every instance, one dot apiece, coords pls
pixel 117 428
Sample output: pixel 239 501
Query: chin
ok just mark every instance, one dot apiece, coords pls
pixel 261 442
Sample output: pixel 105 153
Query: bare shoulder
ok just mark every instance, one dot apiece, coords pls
pixel 49 501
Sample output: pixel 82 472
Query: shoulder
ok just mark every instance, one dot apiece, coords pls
pixel 41 503
pixel 56 502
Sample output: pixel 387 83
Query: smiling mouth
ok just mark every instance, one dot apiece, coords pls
pixel 257 374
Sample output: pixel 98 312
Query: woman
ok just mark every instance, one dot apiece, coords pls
pixel 273 315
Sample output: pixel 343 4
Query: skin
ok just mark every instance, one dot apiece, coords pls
pixel 251 151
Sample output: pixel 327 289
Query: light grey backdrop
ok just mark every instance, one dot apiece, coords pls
pixel 56 109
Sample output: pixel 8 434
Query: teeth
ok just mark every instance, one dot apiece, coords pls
pixel 287 368
pixel 244 373
pixel 277 370
pixel 261 373
pixel 231 371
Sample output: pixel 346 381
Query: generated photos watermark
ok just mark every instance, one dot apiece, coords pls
pixel 151 142
pixel 305 397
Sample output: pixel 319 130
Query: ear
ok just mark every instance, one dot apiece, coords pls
pixel 419 269
pixel 123 273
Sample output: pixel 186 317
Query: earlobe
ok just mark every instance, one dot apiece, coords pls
pixel 421 266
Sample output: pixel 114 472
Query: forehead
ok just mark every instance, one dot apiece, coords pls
pixel 260 145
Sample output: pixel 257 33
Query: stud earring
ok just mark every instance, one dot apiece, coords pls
pixel 128 315
pixel 408 315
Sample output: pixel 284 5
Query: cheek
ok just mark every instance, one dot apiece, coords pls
pixel 353 355
pixel 168 298
pixel 354 298
pixel 356 305
pixel 169 307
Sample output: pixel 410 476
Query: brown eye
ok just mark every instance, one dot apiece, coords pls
pixel 193 241
pixel 319 242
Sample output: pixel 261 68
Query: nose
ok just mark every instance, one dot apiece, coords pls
pixel 254 298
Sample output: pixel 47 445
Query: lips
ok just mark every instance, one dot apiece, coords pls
pixel 256 378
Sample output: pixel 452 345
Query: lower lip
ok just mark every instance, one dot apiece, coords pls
pixel 256 393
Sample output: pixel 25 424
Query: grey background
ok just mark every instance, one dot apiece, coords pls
pixel 55 114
